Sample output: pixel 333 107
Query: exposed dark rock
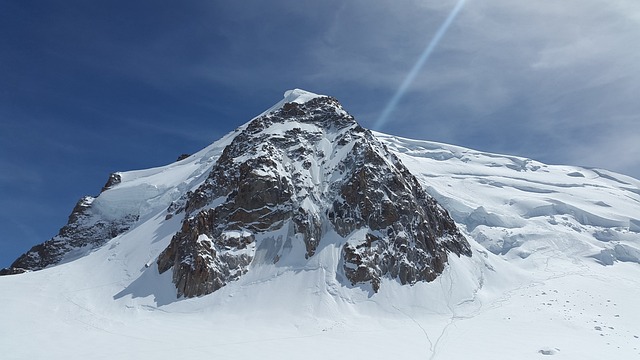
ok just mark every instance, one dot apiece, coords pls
pixel 183 156
pixel 114 179
pixel 202 265
pixel 12 271
pixel 409 233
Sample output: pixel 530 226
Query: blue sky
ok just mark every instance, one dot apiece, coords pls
pixel 92 87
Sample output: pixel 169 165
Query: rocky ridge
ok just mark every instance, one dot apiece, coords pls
pixel 85 230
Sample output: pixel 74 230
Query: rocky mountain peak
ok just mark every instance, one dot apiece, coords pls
pixel 298 182
pixel 289 178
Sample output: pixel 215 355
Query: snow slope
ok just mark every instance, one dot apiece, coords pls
pixel 555 272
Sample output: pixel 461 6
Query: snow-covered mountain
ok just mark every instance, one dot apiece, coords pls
pixel 291 182
pixel 304 235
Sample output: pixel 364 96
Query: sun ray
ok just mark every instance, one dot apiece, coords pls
pixel 408 80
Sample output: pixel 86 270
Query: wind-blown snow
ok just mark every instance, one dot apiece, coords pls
pixel 146 192
pixel 555 272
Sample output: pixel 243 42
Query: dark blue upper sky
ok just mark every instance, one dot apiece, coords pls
pixel 92 87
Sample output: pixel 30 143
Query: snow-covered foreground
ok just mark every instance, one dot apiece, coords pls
pixel 555 272
pixel 573 311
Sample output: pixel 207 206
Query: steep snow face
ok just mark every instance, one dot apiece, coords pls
pixel 516 207
pixel 290 177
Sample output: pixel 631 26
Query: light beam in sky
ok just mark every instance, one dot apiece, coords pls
pixel 393 103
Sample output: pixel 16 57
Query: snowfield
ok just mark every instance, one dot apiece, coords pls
pixel 555 273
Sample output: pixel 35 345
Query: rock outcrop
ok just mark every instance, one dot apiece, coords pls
pixel 301 178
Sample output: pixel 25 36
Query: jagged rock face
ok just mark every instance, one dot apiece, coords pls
pixel 114 179
pixel 309 167
pixel 409 233
pixel 84 231
pixel 12 271
pixel 205 265
pixel 183 156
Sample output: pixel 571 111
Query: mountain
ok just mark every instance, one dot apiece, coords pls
pixel 303 234
pixel 303 175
